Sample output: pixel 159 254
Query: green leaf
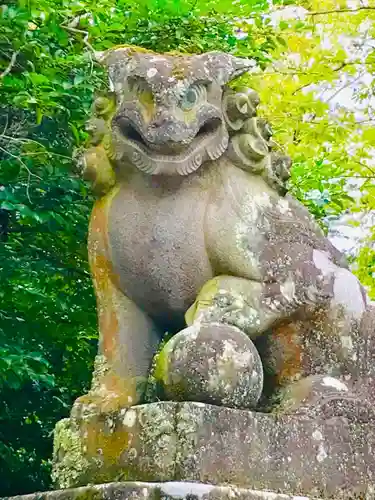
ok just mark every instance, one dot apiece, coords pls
pixel 6 205
pixel 74 129
pixel 79 78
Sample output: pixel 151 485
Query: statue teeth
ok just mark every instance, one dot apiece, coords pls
pixel 190 167
pixel 136 157
pixel 213 153
pixel 198 159
pixel 147 166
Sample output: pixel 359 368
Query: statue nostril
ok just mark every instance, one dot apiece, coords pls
pixel 161 118
pixel 159 122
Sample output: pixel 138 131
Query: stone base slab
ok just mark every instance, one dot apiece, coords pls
pixel 157 491
pixel 167 441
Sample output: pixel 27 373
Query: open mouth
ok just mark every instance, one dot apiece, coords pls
pixel 210 127
pixel 129 131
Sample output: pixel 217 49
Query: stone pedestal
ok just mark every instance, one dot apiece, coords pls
pixel 194 442
pixel 158 491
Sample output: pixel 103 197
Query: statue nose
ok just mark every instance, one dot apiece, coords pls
pixel 160 120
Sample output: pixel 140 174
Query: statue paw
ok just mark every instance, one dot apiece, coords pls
pixel 110 395
pixel 211 363
pixel 98 403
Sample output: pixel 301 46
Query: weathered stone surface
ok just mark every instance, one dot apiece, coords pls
pixel 158 491
pixel 329 458
pixel 211 363
pixel 193 214
pixel 133 443
pixel 194 227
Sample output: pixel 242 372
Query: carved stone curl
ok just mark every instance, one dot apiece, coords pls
pixel 95 163
pixel 250 146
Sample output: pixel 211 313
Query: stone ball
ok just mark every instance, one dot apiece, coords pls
pixel 211 363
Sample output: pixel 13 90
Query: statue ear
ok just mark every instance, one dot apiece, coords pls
pixel 239 67
pixel 117 55
pixel 116 61
pixel 224 67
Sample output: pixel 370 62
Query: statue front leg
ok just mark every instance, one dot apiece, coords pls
pixel 128 338
pixel 127 343
pixel 251 306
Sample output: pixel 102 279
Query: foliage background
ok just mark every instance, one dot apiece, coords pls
pixel 47 79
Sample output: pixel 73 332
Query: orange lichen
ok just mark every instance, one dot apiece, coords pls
pixel 289 353
pixel 115 393
pixel 105 280
pixel 110 325
pixel 108 321
pixel 98 170
pixel 108 442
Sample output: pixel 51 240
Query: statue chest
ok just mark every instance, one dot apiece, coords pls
pixel 157 245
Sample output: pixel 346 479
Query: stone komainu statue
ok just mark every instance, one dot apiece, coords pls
pixel 194 234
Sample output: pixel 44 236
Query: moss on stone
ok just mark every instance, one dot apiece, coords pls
pixel 204 300
pixel 155 384
pixel 101 368
pixel 104 447
pixel 132 49
pixel 178 73
pixel 69 462
pixel 90 493
pixel 161 366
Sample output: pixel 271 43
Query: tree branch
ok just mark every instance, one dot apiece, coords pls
pixel 301 87
pixel 357 176
pixel 26 140
pixel 81 32
pixel 335 94
pixel 365 166
pixel 29 173
pixel 339 11
pixel 12 62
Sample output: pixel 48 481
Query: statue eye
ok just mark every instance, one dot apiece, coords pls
pixel 193 95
